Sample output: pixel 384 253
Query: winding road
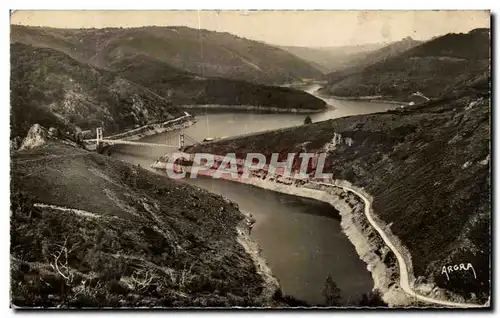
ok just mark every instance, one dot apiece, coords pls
pixel 403 275
pixel 403 268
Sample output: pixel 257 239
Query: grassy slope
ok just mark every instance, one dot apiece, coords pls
pixel 183 88
pixel 53 89
pixel 203 52
pixel 427 169
pixel 429 68
pixel 148 227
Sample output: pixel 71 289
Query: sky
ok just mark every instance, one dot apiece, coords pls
pixel 293 28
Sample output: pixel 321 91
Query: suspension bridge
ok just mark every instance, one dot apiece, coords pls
pixel 177 141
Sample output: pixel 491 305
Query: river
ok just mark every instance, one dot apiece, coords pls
pixel 300 238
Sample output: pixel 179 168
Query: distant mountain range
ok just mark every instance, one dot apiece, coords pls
pixel 121 78
pixel 398 70
pixel 329 59
pixel 383 53
pixel 202 52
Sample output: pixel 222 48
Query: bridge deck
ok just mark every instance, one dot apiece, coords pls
pixel 136 143
pixel 100 139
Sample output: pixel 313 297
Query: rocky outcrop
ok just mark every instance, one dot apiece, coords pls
pixel 37 136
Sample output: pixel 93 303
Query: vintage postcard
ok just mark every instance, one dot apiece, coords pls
pixel 250 159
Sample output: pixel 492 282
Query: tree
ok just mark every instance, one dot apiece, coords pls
pixel 331 292
pixel 308 120
pixel 374 299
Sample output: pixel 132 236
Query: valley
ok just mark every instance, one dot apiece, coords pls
pixel 404 125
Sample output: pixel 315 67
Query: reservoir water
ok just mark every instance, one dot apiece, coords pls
pixel 300 238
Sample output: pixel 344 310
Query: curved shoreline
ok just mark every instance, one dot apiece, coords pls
pixel 351 224
pixel 154 129
pixel 399 292
pixel 251 247
pixel 271 284
pixel 259 108
pixel 395 291
pixel 406 279
pixel 371 99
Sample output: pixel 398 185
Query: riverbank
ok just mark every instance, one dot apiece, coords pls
pixel 270 285
pixel 371 99
pixel 369 247
pixel 161 244
pixel 388 260
pixel 355 226
pixel 153 129
pixel 252 248
pixel 256 108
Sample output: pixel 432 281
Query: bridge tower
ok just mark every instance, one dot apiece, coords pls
pixel 98 136
pixel 181 140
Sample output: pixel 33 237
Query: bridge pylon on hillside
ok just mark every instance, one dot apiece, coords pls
pixel 98 136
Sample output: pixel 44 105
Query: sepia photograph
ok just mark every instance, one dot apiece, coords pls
pixel 250 159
